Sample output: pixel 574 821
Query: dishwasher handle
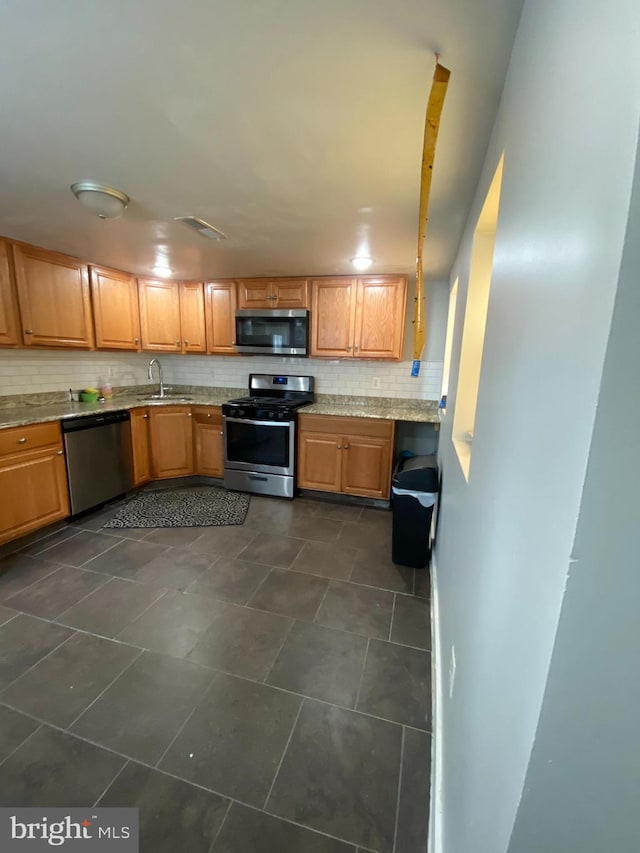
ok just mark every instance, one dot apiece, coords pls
pixel 95 420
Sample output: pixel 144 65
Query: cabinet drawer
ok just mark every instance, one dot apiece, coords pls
pixel 207 414
pixel 33 437
pixel 373 427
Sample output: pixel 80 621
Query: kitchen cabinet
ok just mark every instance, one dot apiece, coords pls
pixel 192 317
pixel 273 293
pixel 116 316
pixel 207 436
pixel 33 479
pixel 54 300
pixel 9 317
pixel 140 446
pixel 172 316
pixel 220 313
pixel 358 317
pixel 351 456
pixel 171 435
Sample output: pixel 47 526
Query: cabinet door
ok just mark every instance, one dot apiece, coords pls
pixel 53 293
pixel 366 466
pixel 380 317
pixel 171 442
pixel 333 305
pixel 115 309
pixel 194 337
pixel 140 450
pixel 255 293
pixel 33 492
pixel 160 315
pixel 290 293
pixel 9 318
pixel 207 432
pixel 220 308
pixel 320 461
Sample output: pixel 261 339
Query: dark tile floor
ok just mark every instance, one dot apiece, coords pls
pixel 257 688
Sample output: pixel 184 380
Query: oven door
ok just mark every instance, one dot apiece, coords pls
pixel 267 447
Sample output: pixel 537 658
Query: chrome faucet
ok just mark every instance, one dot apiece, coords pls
pixel 160 380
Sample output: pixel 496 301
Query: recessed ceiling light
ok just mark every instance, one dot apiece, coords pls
pixel 361 263
pixel 105 201
pixel 163 272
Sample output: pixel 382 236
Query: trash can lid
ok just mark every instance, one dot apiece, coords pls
pixel 419 473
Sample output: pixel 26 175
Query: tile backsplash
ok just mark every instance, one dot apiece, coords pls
pixel 34 371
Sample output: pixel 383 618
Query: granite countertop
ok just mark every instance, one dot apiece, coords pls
pixel 38 409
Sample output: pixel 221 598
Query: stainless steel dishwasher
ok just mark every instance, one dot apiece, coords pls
pixel 98 455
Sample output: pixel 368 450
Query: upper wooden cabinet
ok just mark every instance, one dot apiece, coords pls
pixel 9 318
pixel 273 293
pixel 192 320
pixel 220 312
pixel 53 293
pixel 172 316
pixel 115 309
pixel 358 317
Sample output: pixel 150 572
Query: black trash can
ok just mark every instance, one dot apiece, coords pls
pixel 414 491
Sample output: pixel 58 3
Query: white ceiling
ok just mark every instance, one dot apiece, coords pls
pixel 294 126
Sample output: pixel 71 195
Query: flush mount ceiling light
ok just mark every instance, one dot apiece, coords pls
pixel 203 228
pixel 105 201
pixel 361 263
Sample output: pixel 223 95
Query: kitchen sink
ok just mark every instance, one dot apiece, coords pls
pixel 175 398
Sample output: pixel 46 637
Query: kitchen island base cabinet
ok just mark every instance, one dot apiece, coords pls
pixel 207 436
pixel 140 449
pixel 171 442
pixel 33 480
pixel 350 456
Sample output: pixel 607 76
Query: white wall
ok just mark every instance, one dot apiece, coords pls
pixel 581 792
pixel 30 371
pixel 568 126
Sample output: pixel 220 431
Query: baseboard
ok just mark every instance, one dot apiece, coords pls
pixel 435 805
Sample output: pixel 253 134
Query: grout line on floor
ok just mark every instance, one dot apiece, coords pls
pixel 188 717
pixel 364 663
pixel 109 784
pixel 273 662
pixel 395 830
pixel 22 742
pixel 222 823
pixel 319 607
pixel 39 661
pixel 284 752
pixel 102 692
pixel 393 610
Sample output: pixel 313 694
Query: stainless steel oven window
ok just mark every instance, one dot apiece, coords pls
pixel 262 446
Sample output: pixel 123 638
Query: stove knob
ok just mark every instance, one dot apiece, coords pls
pixel 240 412
pixel 271 415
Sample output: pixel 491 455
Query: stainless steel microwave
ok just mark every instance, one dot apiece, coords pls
pixel 272 331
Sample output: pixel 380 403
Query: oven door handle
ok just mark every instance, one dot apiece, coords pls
pixel 285 424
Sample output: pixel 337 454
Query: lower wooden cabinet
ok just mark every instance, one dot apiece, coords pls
pixel 207 438
pixel 140 446
pixel 33 479
pixel 171 441
pixel 348 455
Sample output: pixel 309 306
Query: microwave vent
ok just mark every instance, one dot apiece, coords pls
pixel 201 227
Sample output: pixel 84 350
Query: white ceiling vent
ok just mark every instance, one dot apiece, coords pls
pixel 201 227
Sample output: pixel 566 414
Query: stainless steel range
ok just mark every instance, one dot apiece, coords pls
pixel 260 434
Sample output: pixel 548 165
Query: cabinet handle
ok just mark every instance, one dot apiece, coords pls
pixel 60 453
pixel 28 331
pixel 221 433
pixel 348 349
pixel 177 343
pixel 136 340
pixel 22 440
pixel 190 415
pixel 208 414
pixel 339 446
pixel 145 416
pixel 186 343
pixel 346 447
pixel 356 347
